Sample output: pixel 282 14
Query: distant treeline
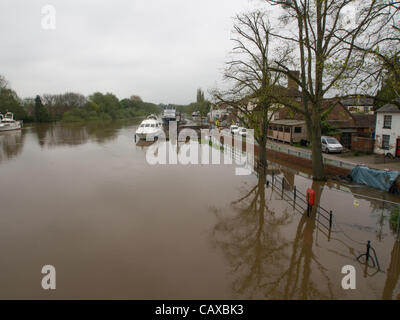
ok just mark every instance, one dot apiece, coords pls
pixel 74 107
pixel 71 107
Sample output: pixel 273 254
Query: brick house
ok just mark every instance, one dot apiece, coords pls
pixel 350 125
pixel 359 104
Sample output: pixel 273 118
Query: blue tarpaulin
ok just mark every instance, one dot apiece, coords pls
pixel 375 178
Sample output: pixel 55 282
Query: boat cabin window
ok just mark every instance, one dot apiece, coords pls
pixel 152 125
pixel 147 125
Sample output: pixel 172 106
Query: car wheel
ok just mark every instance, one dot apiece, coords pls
pixel 327 150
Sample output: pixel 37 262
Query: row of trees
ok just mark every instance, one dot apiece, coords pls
pixel 71 107
pixel 340 47
pixel 201 105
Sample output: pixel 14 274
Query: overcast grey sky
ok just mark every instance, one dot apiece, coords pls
pixel 161 50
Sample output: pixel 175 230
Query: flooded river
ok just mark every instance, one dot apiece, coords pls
pixel 84 199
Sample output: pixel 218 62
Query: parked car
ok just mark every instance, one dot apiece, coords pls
pixel 242 131
pixel 234 129
pixel 330 144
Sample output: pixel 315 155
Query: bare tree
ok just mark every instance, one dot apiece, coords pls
pixel 3 82
pixel 381 47
pixel 249 78
pixel 325 33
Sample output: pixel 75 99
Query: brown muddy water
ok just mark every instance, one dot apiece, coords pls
pixel 84 199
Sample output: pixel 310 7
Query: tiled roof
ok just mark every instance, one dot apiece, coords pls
pixel 365 120
pixel 391 108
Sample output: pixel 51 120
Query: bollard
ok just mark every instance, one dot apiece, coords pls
pixel 368 248
pixel 330 219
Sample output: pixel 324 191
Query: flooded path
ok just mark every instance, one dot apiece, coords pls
pixel 84 199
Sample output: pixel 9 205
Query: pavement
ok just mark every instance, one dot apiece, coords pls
pixel 368 160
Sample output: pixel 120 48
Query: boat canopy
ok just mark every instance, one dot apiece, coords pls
pixel 380 179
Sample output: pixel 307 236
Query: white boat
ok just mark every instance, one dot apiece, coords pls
pixel 150 129
pixel 8 123
pixel 169 114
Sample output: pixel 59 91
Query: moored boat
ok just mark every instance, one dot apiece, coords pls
pixel 8 123
pixel 150 129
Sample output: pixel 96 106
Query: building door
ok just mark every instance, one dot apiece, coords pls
pixel 398 148
pixel 345 139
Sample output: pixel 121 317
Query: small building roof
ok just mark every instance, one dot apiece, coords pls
pixel 389 108
pixel 365 120
pixel 358 101
pixel 288 122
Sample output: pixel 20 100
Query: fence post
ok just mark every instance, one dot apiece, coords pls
pixel 368 248
pixel 330 219
pixel 273 178
pixel 294 194
pixel 398 223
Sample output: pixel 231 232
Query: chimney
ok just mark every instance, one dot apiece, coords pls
pixel 291 83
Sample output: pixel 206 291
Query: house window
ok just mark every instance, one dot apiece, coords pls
pixel 297 129
pixel 387 122
pixel 385 141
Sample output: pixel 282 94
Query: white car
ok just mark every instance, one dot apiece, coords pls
pixel 234 129
pixel 330 144
pixel 242 131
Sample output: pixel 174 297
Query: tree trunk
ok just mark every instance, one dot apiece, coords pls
pixel 317 158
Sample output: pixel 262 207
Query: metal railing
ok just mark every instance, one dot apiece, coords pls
pixel 308 156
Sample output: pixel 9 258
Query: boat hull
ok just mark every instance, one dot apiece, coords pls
pixel 149 136
pixel 9 127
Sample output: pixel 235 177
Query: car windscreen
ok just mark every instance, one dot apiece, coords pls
pixel 332 141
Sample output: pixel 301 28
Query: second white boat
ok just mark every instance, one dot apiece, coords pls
pixel 150 129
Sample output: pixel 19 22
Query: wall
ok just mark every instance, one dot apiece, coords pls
pixel 362 144
pixel 394 133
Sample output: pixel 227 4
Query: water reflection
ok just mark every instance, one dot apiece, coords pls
pixel 253 244
pixel 52 135
pixel 11 144
pixel 393 274
pixel 268 262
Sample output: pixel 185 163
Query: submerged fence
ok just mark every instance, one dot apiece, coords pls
pixel 325 218
pixel 281 183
